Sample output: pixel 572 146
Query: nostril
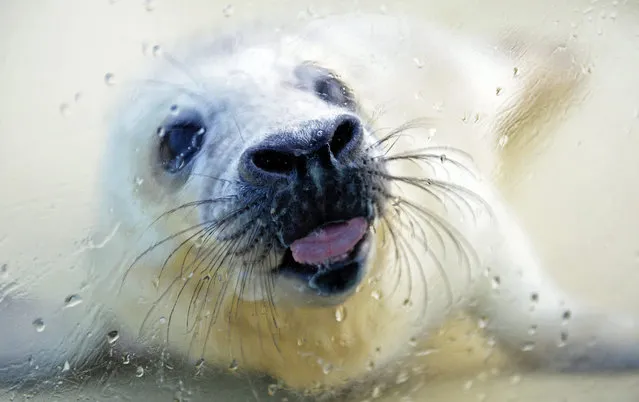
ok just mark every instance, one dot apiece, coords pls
pixel 347 132
pixel 272 161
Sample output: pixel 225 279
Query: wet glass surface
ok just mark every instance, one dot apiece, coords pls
pixel 64 64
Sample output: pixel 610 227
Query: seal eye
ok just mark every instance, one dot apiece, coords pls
pixel 180 140
pixel 325 84
pixel 332 90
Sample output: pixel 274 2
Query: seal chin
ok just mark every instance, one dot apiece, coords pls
pixel 327 283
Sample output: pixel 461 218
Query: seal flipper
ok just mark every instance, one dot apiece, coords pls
pixel 526 312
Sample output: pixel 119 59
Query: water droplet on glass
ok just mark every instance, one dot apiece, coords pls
pixel 418 63
pixel 113 337
pixel 4 271
pixel 272 389
pixel 402 377
pixel 412 341
pixel 468 385
pixel 534 297
pixel 483 322
pixel 370 366
pixel 426 352
pixel 311 12
pixel 126 359
pixel 377 392
pixel 149 5
pixel 156 51
pixel 496 282
pixel 515 379
pixel 503 140
pixel 563 339
pixel 175 109
pixel 109 79
pixel 228 11
pixel 566 315
pixel 39 325
pixel 72 301
pixel 443 158
pixel 528 347
pixel 340 313
pixel 65 109
pixel 498 91
pixel 139 371
pixel 515 71
pixel 376 295
pixel 77 97
pixel 234 365
pixel 327 368
pixel 300 342
pixel 532 330
pixel 66 366
pixel 139 181
pixel 162 320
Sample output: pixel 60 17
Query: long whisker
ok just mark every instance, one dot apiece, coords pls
pixel 449 188
pixel 420 270
pixel 227 198
pixel 170 287
pixel 177 234
pixel 227 181
pixel 463 247
pixel 400 256
pixel 438 263
pixel 157 244
pixel 195 296
pixel 399 131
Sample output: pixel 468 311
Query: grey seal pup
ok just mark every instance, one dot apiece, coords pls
pixel 323 204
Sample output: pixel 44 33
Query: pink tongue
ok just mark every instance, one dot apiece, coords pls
pixel 329 242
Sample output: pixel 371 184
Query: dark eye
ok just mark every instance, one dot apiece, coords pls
pixel 181 138
pixel 332 90
pixel 326 85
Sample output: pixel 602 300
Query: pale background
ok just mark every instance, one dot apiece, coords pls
pixel 54 55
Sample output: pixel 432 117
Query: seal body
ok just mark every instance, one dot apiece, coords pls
pixel 327 204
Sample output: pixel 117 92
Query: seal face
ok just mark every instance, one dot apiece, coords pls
pixel 314 183
pixel 294 184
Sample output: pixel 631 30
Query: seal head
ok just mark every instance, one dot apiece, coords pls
pixel 280 165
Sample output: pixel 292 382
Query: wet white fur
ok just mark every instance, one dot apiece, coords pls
pixel 470 97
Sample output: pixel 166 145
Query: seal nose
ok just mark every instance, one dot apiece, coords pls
pixel 286 153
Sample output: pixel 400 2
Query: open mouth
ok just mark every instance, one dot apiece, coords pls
pixel 331 258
